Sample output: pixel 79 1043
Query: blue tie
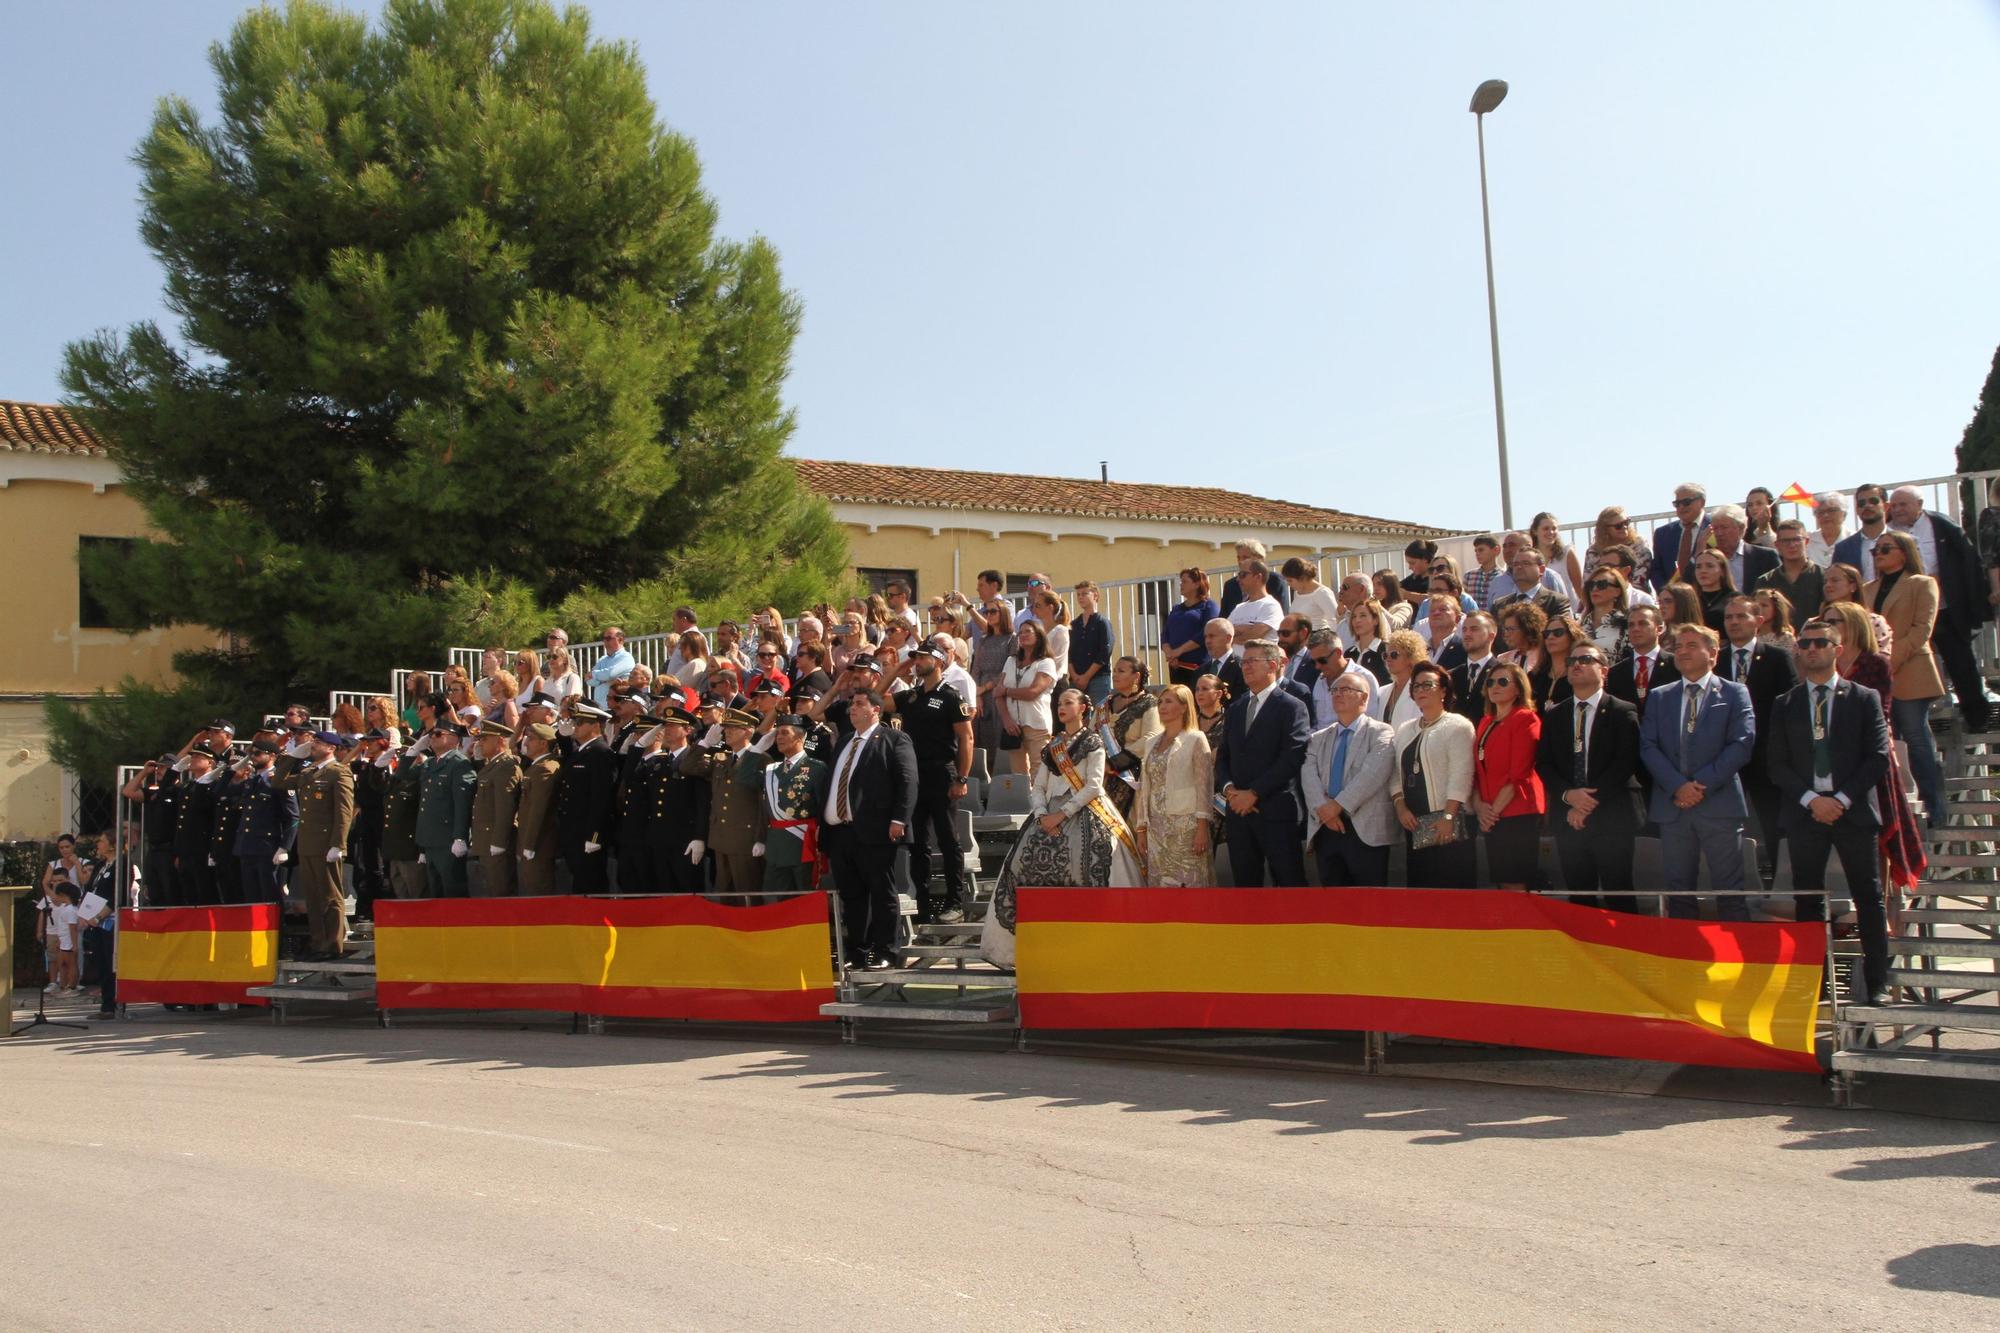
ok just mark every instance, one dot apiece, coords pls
pixel 1335 775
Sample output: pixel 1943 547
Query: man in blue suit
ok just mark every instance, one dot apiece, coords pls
pixel 1264 739
pixel 1696 735
pixel 1675 544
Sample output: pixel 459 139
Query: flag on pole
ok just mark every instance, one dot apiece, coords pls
pixel 1796 494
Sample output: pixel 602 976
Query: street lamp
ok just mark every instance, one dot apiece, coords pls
pixel 1485 98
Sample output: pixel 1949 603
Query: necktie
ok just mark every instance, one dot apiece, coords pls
pixel 1822 746
pixel 1688 721
pixel 1336 773
pixel 1579 744
pixel 841 807
pixel 1642 671
pixel 1250 715
pixel 1687 549
pixel 1742 663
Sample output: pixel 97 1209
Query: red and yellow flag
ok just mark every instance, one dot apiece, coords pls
pixel 196 955
pixel 668 957
pixel 1513 969
pixel 1797 494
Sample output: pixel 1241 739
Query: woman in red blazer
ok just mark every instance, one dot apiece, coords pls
pixel 1507 793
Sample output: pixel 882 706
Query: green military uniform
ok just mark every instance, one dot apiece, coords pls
pixel 537 849
pixel 793 793
pixel 326 813
pixel 399 827
pixel 735 814
pixel 494 801
pixel 444 817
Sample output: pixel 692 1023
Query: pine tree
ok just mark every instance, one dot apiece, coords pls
pixel 463 354
pixel 1979 447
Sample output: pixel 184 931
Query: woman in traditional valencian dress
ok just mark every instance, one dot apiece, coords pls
pixel 1074 838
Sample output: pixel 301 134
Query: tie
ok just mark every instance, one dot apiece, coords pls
pixel 1642 671
pixel 1742 663
pixel 841 807
pixel 1336 774
pixel 1688 721
pixel 1250 715
pixel 1687 549
pixel 1579 745
pixel 1822 747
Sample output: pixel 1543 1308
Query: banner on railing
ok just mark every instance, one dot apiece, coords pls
pixel 196 955
pixel 1511 969
pixel 669 957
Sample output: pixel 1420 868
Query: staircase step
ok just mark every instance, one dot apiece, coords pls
pixel 920 1013
pixel 960 929
pixel 1957 916
pixel 1928 1064
pixel 297 991
pixel 1983 1016
pixel 360 967
pixel 935 976
pixel 1964 860
pixel 1937 978
pixel 1937 947
pixel 971 951
pixel 1973 807
pixel 1962 833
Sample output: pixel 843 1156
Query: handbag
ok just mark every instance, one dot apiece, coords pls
pixel 1437 829
pixel 1011 740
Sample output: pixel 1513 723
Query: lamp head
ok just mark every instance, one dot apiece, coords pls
pixel 1488 95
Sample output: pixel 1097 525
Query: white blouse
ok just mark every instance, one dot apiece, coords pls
pixel 1032 713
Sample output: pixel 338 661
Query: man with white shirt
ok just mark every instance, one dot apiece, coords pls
pixel 897 594
pixel 1963 602
pixel 1727 525
pixel 1310 598
pixel 1258 614
pixel 1587 756
pixel 1871 509
pixel 1224 657
pixel 1330 662
pixel 1528 580
pixel 1636 591
pixel 870 800
pixel 1645 668
pixel 1354 590
pixel 1346 776
pixel 1439 629
pixel 1293 631
pixel 615 665
pixel 1476 634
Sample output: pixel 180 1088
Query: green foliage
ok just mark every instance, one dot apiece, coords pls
pixel 463 356
pixel 1979 447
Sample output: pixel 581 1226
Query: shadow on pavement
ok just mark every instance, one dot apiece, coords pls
pixel 1971 1270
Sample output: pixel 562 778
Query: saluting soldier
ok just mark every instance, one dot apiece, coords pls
pixel 158 786
pixel 735 833
pixel 444 817
pixel 401 801
pixel 794 790
pixel 587 803
pixel 270 825
pixel 536 871
pixel 364 845
pixel 494 801
pixel 194 827
pixel 665 823
pixel 939 725
pixel 821 740
pixel 222 863
pixel 325 788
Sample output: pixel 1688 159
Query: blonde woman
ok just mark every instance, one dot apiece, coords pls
pixel 502 693
pixel 1394 704
pixel 526 666
pixel 559 679
pixel 380 715
pixel 1175 807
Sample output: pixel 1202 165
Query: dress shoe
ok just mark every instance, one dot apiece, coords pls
pixel 1880 995
pixel 950 916
pixel 878 963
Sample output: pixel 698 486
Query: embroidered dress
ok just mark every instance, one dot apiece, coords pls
pixel 1171 860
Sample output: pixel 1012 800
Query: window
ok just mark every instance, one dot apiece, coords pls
pixel 1017 585
pixel 90 608
pixel 880 579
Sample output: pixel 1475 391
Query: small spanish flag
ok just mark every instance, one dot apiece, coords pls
pixel 1796 494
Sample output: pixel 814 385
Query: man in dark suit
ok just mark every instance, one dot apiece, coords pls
pixel 1588 754
pixel 1696 736
pixel 1963 605
pixel 1475 633
pixel 1264 742
pixel 1727 525
pixel 1442 613
pixel 1871 514
pixel 1646 665
pixel 1767 671
pixel 1224 662
pixel 587 800
pixel 870 800
pixel 1675 543
pixel 1828 751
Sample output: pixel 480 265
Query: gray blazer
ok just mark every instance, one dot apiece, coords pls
pixel 1364 790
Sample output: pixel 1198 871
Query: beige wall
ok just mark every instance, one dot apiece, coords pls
pixel 31 784
pixel 43 648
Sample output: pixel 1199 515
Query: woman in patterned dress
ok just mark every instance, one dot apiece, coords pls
pixel 1174 814
pixel 1134 721
pixel 1073 837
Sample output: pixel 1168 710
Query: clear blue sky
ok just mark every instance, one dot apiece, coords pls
pixel 1239 245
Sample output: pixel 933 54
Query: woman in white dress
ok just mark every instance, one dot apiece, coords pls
pixel 1074 837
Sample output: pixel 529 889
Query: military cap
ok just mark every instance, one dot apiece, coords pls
pixel 679 715
pixel 737 717
pixel 332 738
pixel 791 720
pixel 493 727
pixel 807 693
pixel 540 699
pixel 209 749
pixel 542 729
pixel 377 734
pixel 223 725
pixel 639 697
pixel 865 664
pixel 447 725
pixel 771 688
pixel 263 746
pixel 583 710
pixel 930 650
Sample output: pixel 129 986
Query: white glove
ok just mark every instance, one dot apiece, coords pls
pixel 458 847
pixel 496 851
pixel 696 850
pixel 333 855
pixel 592 848
pixel 422 859
pixel 527 854
pixel 211 862
pixel 298 749
pixel 383 759
pixel 280 857
pixel 758 850
pixel 712 737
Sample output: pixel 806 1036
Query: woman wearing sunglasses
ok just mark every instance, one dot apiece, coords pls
pixel 1507 791
pixel 1907 598
pixel 1606 599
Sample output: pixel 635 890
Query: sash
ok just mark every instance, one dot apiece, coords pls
pixel 809 849
pixel 1098 806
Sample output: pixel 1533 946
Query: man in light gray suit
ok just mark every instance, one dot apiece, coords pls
pixel 1346 782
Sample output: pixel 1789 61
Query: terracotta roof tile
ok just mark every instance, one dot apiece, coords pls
pixel 45 428
pixel 944 488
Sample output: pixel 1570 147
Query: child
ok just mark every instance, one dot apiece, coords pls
pixel 62 928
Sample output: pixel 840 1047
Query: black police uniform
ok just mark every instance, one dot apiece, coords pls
pixel 930 719
pixel 194 840
pixel 364 838
pixel 222 843
pixel 270 824
pixel 586 806
pixel 161 817
pixel 663 811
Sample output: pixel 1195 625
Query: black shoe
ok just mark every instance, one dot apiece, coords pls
pixel 877 963
pixel 1879 995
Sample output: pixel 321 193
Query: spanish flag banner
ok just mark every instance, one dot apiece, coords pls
pixel 667 957
pixel 196 955
pixel 1512 969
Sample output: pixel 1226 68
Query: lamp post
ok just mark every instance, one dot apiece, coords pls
pixel 1485 98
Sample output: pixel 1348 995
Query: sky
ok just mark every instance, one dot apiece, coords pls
pixel 1239 245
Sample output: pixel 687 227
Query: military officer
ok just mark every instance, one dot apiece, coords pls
pixel 939 725
pixel 444 815
pixel 401 799
pixel 735 831
pixel 222 864
pixel 364 845
pixel 821 740
pixel 538 868
pixel 794 790
pixel 270 825
pixel 494 801
pixel 159 787
pixel 586 802
pixel 194 827
pixel 663 830
pixel 325 789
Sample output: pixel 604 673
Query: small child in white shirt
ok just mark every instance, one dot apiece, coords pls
pixel 62 938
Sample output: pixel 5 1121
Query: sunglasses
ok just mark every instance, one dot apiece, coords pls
pixel 1870 500
pixel 1888 548
pixel 1815 643
pixel 1499 682
pixel 1601 585
pixel 1322 661
pixel 1683 504
pixel 1576 662
pixel 1395 656
pixel 767 654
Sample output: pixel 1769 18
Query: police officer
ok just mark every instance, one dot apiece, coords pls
pixel 939 725
pixel 735 829
pixel 662 836
pixel 538 864
pixel 325 788
pixel 494 801
pixel 820 741
pixel 194 827
pixel 269 828
pixel 364 844
pixel 794 789
pixel 444 815
pixel 586 805
pixel 158 787
pixel 401 799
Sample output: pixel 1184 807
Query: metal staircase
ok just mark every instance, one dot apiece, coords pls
pixel 1944 1019
pixel 349 981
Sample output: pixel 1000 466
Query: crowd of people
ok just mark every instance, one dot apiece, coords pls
pixel 1730 671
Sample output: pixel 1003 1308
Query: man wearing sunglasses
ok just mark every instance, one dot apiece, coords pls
pixel 1587 756
pixel 1675 543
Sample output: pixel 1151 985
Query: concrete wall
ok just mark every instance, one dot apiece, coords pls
pixel 31 784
